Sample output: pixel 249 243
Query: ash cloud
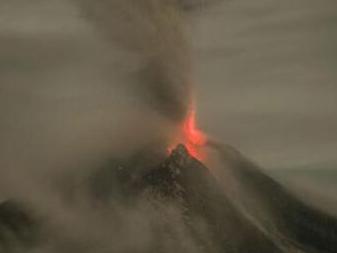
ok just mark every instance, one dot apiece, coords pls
pixel 51 143
pixel 48 139
pixel 155 33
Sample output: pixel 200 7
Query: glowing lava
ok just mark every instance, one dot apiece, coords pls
pixel 191 136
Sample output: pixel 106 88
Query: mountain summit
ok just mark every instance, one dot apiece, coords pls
pixel 175 204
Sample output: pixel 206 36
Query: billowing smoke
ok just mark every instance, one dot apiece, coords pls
pixel 49 163
pixel 155 33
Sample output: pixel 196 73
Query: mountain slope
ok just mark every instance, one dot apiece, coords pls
pixel 180 206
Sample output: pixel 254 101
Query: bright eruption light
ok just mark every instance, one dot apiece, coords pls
pixel 191 136
pixel 194 138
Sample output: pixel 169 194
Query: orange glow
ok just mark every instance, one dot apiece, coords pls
pixel 192 137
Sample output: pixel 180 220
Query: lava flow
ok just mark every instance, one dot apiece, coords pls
pixel 191 136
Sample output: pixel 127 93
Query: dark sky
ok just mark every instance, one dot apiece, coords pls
pixel 265 74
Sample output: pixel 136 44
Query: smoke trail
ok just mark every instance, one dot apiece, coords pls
pixel 154 31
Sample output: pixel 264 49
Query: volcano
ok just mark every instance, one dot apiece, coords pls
pixel 210 219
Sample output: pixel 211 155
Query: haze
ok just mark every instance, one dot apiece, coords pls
pixel 266 84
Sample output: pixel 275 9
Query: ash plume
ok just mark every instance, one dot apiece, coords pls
pixel 87 206
pixel 155 33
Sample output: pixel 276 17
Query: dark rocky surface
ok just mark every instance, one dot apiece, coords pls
pixel 18 228
pixel 306 226
pixel 208 217
pixel 183 178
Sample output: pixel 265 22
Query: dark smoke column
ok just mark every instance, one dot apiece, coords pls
pixel 154 30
